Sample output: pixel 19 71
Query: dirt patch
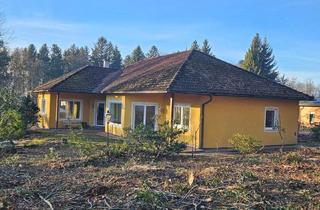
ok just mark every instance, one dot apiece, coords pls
pixel 35 177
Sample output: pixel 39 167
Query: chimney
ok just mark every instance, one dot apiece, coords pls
pixel 106 64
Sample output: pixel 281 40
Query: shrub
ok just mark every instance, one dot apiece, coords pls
pixel 28 110
pixel 316 132
pixel 294 157
pixel 160 143
pixel 85 147
pixel 11 125
pixel 245 144
pixel 52 154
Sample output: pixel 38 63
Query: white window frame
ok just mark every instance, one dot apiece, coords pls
pixel 314 117
pixel 144 104
pixel 67 111
pixel 276 119
pixel 96 103
pixel 43 106
pixel 109 106
pixel 182 126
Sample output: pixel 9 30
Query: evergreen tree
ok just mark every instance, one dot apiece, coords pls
pixel 137 55
pixel 75 57
pixel 56 62
pixel 32 69
pixel 44 63
pixel 18 71
pixel 194 45
pixel 267 62
pixel 116 59
pixel 153 52
pixel 259 59
pixel 206 48
pixel 103 50
pixel 4 62
pixel 127 61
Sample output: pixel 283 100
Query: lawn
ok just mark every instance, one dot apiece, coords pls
pixel 48 172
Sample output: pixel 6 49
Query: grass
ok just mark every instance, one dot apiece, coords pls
pixel 47 166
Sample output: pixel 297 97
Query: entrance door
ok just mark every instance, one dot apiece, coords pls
pixel 99 118
pixel 145 114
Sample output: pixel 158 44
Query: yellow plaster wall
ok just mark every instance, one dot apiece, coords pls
pixel 88 105
pixel 225 116
pixel 164 112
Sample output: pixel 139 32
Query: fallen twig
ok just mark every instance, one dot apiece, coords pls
pixel 46 201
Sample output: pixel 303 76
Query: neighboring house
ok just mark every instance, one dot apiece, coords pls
pixel 210 98
pixel 309 113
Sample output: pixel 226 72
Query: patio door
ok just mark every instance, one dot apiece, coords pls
pixel 145 114
pixel 99 113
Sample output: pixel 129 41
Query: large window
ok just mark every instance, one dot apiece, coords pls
pixel 182 116
pixel 312 116
pixel 145 114
pixel 271 119
pixel 115 111
pixel 70 109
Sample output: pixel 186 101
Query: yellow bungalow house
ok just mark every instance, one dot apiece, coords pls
pixel 210 98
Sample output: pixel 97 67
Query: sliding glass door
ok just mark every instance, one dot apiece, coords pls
pixel 145 114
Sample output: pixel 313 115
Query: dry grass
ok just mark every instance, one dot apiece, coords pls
pixel 38 177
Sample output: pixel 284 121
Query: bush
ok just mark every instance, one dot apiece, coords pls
pixel 245 144
pixel 11 125
pixel 316 132
pixel 16 114
pixel 29 110
pixel 160 143
pixel 86 148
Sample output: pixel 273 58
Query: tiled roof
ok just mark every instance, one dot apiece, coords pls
pixel 154 74
pixel 87 79
pixel 196 72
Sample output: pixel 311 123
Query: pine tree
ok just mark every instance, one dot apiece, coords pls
pixel 153 52
pixel 32 69
pixel 206 48
pixel 4 62
pixel 137 55
pixel 127 61
pixel 259 59
pixel 116 59
pixel 44 63
pixel 75 57
pixel 267 62
pixel 194 45
pixel 56 62
pixel 103 50
pixel 18 71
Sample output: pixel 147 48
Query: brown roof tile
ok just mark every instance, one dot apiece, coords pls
pixel 87 79
pixel 196 72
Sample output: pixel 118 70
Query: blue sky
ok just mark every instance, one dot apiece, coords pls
pixel 292 27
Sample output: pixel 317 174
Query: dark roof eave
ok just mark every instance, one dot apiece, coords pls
pixel 242 95
pixel 133 92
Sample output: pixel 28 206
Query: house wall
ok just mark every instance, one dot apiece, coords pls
pixel 46 120
pixel 225 116
pixel 304 115
pixel 164 112
pixel 87 108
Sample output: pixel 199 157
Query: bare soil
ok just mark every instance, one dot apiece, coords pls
pixel 38 177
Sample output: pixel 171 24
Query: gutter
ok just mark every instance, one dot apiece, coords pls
pixel 202 121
